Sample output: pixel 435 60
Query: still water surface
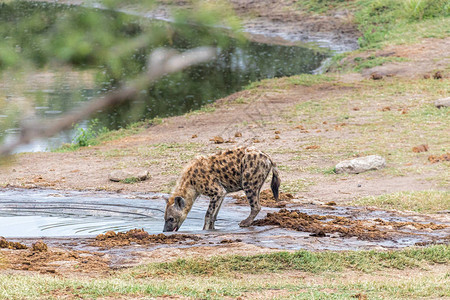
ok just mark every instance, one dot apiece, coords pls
pixel 238 64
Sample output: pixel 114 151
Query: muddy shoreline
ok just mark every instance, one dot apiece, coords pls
pixel 270 22
pixel 355 228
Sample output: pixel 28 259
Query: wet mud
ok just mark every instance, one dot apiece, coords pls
pixel 267 200
pixel 138 236
pixel 11 245
pixel 40 258
pixel 56 261
pixel 287 224
pixel 320 225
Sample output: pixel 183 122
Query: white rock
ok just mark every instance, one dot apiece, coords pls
pixel 361 164
pixel 444 102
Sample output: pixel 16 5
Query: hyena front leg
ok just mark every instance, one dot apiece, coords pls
pixel 217 196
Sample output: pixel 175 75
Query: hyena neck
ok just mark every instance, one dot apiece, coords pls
pixel 189 194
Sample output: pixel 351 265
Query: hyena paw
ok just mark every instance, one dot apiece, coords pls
pixel 245 223
pixel 208 227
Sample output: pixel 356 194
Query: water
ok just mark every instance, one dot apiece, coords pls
pixel 31 213
pixel 237 65
pixel 74 214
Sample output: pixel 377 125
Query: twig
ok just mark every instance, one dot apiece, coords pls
pixel 161 62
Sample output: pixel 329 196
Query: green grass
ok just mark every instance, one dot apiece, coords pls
pixel 287 82
pixel 295 186
pixel 94 136
pixel 306 261
pixel 420 201
pixel 381 20
pixel 373 61
pixel 130 180
pixel 310 80
pixel 299 275
pixel 323 6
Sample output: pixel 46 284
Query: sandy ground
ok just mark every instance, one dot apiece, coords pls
pixel 157 148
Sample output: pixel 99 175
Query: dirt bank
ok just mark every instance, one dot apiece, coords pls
pixel 305 143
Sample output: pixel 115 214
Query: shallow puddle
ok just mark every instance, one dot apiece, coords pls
pixel 73 219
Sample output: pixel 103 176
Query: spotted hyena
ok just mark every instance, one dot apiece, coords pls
pixel 214 176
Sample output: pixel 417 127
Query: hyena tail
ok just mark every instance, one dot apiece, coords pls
pixel 275 184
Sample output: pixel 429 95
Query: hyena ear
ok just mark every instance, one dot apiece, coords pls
pixel 179 203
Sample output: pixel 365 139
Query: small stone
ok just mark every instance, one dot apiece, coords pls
pixel 438 75
pixel 218 140
pixel 277 137
pixel 237 134
pixel 376 76
pixel 119 175
pixel 310 147
pixel 361 164
pixel 318 234
pixel 194 136
pixel 421 148
pixel 444 102
pixel 277 132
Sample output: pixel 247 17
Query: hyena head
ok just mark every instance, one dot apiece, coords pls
pixel 175 214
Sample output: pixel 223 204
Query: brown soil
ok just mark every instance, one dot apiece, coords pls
pixel 266 199
pixel 55 261
pixel 423 60
pixel 138 236
pixel 320 225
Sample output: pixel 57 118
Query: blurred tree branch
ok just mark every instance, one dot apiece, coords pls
pixel 161 62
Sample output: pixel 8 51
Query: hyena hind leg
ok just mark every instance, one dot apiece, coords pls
pixel 255 207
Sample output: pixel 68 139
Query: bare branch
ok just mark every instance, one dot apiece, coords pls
pixel 161 62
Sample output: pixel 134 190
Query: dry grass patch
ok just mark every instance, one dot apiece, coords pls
pixel 421 201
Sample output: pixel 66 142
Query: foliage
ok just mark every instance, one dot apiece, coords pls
pixel 86 137
pixel 47 36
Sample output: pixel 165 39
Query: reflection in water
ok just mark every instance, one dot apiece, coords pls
pixel 238 64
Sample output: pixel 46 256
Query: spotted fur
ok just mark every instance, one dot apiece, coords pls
pixel 244 168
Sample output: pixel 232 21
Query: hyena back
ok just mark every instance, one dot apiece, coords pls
pixel 214 176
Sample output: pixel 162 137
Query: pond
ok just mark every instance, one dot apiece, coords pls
pixel 56 91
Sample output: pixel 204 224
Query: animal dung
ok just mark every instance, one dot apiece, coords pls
pixel 421 148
